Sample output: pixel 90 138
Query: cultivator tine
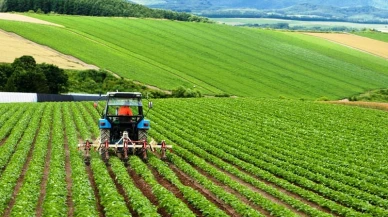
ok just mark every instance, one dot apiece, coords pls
pixel 163 149
pixel 125 150
pixel 106 149
pixel 87 152
pixel 144 151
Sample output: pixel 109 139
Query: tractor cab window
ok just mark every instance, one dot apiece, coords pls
pixel 124 107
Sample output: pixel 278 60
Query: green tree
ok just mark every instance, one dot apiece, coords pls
pixel 56 78
pixel 27 63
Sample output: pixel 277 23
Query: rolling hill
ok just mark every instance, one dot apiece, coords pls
pixel 212 58
pixel 265 4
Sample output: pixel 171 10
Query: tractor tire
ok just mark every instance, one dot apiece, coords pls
pixel 104 134
pixel 142 135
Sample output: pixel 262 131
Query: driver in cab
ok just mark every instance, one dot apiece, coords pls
pixel 125 111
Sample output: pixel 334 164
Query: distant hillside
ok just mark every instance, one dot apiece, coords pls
pixel 263 4
pixel 213 59
pixel 94 8
pixel 346 10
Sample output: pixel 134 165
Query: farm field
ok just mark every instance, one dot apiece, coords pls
pixel 374 35
pixel 211 58
pixel 292 23
pixel 231 157
pixel 369 45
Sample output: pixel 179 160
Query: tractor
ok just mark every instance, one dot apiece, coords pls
pixel 123 128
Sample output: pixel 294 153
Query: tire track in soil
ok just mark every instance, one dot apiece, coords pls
pixel 232 191
pixel 188 181
pixel 100 208
pixel 20 180
pixel 173 189
pixel 291 194
pixel 121 191
pixel 42 195
pixel 69 183
pixel 146 190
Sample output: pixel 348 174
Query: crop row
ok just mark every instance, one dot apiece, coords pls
pixel 17 160
pixel 82 192
pixel 194 197
pixel 304 169
pixel 17 125
pixel 256 158
pixel 138 201
pixel 167 199
pixel 226 146
pixel 56 193
pixel 27 198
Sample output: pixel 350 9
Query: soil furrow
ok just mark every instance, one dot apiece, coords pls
pixel 20 179
pixel 175 190
pixel 232 191
pixel 121 191
pixel 188 181
pixel 39 207
pixel 69 183
pixel 291 194
pixel 259 191
pixel 147 191
pixel 3 141
pixel 100 208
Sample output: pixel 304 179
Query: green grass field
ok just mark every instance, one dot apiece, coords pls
pixel 374 35
pixel 212 58
pixel 292 23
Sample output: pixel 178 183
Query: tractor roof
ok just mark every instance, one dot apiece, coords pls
pixel 124 94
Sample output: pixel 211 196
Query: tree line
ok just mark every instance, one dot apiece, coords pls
pixel 121 8
pixel 25 75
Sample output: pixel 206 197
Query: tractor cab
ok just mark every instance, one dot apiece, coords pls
pixel 123 113
pixel 123 128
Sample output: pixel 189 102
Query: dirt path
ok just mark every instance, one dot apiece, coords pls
pixel 23 18
pixel 368 45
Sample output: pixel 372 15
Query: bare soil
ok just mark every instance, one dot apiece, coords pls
pixel 296 196
pixel 23 18
pixel 3 141
pixel 375 47
pixel 121 191
pixel 261 192
pixel 173 189
pixel 39 207
pixel 372 105
pixel 69 183
pixel 188 181
pixel 146 190
pixel 100 208
pixel 234 192
pixel 13 46
pixel 20 180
